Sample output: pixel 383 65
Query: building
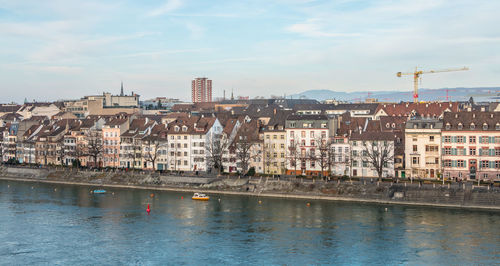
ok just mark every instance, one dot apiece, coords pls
pixel 471 145
pixel 201 90
pixel 305 133
pixel 275 144
pixel 111 133
pixel 366 162
pixel 423 148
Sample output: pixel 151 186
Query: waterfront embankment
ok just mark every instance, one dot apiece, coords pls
pixel 463 195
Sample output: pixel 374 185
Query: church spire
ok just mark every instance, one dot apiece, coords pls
pixel 121 92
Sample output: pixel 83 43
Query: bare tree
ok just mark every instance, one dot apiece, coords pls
pixel 215 148
pixel 94 146
pixel 268 156
pixel 323 146
pixel 378 154
pixel 152 152
pixel 293 155
pixel 243 147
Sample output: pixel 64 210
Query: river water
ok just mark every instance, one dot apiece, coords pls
pixel 66 225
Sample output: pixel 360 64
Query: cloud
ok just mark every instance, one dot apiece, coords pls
pixel 314 28
pixel 169 6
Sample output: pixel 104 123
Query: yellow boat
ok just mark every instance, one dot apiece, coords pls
pixel 200 196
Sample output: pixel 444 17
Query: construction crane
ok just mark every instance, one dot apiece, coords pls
pixel 417 74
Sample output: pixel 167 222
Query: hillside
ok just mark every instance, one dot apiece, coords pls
pixel 454 94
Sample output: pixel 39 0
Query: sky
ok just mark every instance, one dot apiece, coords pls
pixel 66 49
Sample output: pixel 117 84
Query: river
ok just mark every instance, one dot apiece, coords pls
pixel 67 225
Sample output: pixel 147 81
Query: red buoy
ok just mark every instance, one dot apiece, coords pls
pixel 148 209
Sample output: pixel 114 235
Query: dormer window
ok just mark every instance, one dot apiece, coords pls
pixel 460 126
pixel 472 126
pixel 448 126
pixel 497 126
pixel 485 126
pixel 184 128
pixel 393 125
pixel 387 125
pixel 176 129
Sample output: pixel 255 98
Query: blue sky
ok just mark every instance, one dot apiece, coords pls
pixel 67 49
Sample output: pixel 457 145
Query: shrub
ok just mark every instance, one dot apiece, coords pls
pixel 251 171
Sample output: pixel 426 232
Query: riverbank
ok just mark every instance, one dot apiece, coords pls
pixel 480 198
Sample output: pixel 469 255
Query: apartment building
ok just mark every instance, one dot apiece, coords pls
pixel 471 145
pixel 304 134
pixel 423 148
pixel 372 151
pixel 111 132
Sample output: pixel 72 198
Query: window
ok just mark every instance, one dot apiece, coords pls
pixel 415 160
pixel 447 139
pixel 291 134
pixel 460 139
pixel 414 139
pixel 497 152
pixel 472 151
pixel 447 163
pixel 485 164
pixel 312 142
pixel 497 164
pixel 311 134
pixel 282 136
pixel 275 136
pixel 472 139
pixel 460 126
pixel 431 138
pixel 447 151
pixel 461 163
pixel 431 148
pixel 448 126
pixel 303 134
pixel 414 148
pixel 365 164
pixel 282 145
pixel 354 163
pixel 485 126
pixel 267 136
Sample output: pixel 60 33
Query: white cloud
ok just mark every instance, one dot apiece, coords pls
pixel 169 6
pixel 314 28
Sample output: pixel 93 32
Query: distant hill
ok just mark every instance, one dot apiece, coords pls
pixel 491 94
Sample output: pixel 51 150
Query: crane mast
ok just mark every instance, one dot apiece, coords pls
pixel 418 73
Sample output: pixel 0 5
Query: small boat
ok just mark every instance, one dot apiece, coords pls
pixel 99 191
pixel 200 196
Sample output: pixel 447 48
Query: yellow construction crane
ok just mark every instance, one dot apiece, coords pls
pixel 417 74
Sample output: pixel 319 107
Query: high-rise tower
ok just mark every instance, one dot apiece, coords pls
pixel 201 90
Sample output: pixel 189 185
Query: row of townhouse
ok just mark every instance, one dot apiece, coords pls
pixel 274 141
pixel 463 145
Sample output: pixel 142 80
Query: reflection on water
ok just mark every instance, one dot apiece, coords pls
pixel 69 225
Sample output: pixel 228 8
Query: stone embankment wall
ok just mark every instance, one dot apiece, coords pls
pixel 455 195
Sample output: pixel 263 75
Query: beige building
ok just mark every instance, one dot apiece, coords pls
pixel 274 159
pixel 423 148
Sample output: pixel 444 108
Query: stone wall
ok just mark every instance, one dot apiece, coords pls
pixel 458 195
